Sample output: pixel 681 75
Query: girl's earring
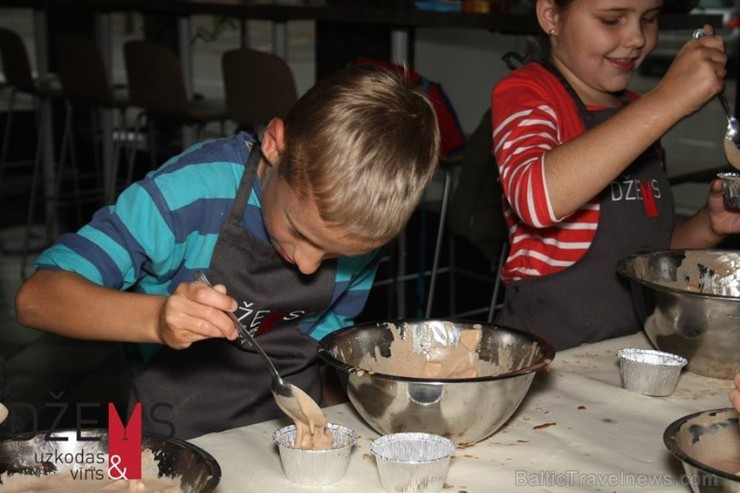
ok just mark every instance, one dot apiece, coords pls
pixel 551 32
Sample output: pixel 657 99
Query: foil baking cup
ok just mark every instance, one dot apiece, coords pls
pixel 650 372
pixel 315 467
pixel 412 462
pixel 730 189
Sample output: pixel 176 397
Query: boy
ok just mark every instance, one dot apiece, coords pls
pixel 290 224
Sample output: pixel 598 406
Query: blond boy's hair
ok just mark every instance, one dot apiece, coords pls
pixel 362 144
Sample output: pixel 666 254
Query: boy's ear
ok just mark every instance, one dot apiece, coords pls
pixel 273 142
pixel 547 16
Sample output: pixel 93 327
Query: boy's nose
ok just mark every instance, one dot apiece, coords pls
pixel 308 260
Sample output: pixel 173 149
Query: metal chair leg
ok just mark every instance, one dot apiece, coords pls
pixel 110 192
pixel 132 150
pixel 446 191
pixel 497 284
pixel 32 199
pixel 6 132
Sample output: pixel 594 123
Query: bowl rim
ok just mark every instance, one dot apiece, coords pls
pixel 213 465
pixel 622 271
pixel 548 352
pixel 669 440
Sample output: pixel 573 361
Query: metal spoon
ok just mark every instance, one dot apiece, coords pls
pixel 732 134
pixel 292 400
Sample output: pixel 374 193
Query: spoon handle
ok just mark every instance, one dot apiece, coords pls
pixel 725 105
pixel 245 339
pixel 699 33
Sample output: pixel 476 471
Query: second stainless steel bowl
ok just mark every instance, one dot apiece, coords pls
pixel 689 304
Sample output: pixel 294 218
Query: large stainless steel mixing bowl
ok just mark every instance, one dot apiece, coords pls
pixel 35 454
pixel 708 445
pixel 703 327
pixel 464 410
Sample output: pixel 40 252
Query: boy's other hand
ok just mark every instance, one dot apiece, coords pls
pixel 195 312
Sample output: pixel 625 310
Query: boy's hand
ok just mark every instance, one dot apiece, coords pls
pixel 696 75
pixel 195 312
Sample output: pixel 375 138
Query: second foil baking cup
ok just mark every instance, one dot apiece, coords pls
pixel 412 462
pixel 650 372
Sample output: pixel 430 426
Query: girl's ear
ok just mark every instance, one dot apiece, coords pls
pixel 548 16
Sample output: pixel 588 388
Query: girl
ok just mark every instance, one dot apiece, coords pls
pixel 581 166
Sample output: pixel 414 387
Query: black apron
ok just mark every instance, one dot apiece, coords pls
pixel 213 385
pixel 588 301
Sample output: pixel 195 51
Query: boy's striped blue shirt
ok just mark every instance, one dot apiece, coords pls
pixel 165 227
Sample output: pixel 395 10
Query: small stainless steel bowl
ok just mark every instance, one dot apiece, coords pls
pixel 650 372
pixel 708 445
pixel 412 462
pixel 730 189
pixel 315 467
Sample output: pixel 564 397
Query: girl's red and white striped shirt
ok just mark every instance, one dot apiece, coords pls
pixel 532 113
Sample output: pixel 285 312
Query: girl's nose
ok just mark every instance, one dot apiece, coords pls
pixel 636 37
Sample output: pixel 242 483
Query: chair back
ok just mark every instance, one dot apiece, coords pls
pixel 258 86
pixel 155 79
pixel 15 62
pixel 82 70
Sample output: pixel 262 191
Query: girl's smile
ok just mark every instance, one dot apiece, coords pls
pixel 598 44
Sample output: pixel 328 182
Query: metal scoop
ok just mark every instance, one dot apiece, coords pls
pixel 732 134
pixel 292 400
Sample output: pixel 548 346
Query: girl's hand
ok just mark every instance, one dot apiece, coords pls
pixel 735 394
pixel 722 220
pixel 195 312
pixel 696 75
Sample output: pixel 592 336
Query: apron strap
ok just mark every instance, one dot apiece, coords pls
pixel 245 186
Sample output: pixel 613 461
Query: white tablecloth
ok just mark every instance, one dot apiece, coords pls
pixel 576 430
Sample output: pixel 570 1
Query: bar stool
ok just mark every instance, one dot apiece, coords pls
pixel 27 173
pixel 19 78
pixel 258 86
pixel 86 85
pixel 481 178
pixel 157 86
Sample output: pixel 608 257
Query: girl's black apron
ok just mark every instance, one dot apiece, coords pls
pixel 588 301
pixel 213 385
